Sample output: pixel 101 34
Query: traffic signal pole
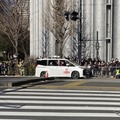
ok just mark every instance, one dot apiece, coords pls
pixel 74 16
pixel 80 34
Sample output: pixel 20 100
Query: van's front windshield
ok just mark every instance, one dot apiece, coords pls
pixel 72 63
pixel 75 64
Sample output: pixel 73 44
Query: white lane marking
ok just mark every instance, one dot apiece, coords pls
pixel 56 114
pixel 15 119
pixel 61 108
pixel 58 102
pixel 66 94
pixel 58 98
pixel 57 90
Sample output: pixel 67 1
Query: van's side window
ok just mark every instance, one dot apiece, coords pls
pixel 42 62
pixel 53 62
pixel 62 63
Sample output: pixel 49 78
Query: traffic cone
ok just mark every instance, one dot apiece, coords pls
pixel 46 74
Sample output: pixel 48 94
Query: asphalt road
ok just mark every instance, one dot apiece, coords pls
pixel 65 83
pixel 61 99
pixel 54 104
pixel 87 84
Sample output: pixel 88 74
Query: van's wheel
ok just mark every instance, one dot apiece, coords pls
pixel 75 75
pixel 42 74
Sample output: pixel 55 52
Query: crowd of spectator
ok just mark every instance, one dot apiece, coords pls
pixel 19 67
pixel 7 68
pixel 101 68
pixel 11 68
pixel 97 66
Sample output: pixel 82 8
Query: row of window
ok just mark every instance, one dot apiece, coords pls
pixel 54 63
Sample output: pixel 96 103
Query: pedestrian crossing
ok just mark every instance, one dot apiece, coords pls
pixel 47 104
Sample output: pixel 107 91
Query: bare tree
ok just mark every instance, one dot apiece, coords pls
pixel 61 29
pixel 55 22
pixel 14 22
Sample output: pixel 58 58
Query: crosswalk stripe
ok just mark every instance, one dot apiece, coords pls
pixel 59 114
pixel 58 102
pixel 57 90
pixel 59 98
pixel 61 108
pixel 39 103
pixel 65 94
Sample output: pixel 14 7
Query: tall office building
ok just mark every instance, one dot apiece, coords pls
pixel 100 20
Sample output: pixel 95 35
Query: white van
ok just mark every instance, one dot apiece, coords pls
pixel 58 68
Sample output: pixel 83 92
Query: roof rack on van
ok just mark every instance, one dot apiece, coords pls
pixel 56 57
pixel 53 57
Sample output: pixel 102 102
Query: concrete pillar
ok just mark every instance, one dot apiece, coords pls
pixel 87 26
pixel 99 25
pixel 116 29
pixel 35 28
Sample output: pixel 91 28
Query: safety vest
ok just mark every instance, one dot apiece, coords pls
pixel 117 72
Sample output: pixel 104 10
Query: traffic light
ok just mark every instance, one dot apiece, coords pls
pixel 74 16
pixel 67 15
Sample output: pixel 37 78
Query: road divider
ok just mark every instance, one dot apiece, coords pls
pixel 8 81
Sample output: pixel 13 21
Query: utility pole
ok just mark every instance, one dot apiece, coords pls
pixel 97 47
pixel 80 33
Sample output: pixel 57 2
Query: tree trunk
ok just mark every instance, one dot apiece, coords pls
pixel 61 50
